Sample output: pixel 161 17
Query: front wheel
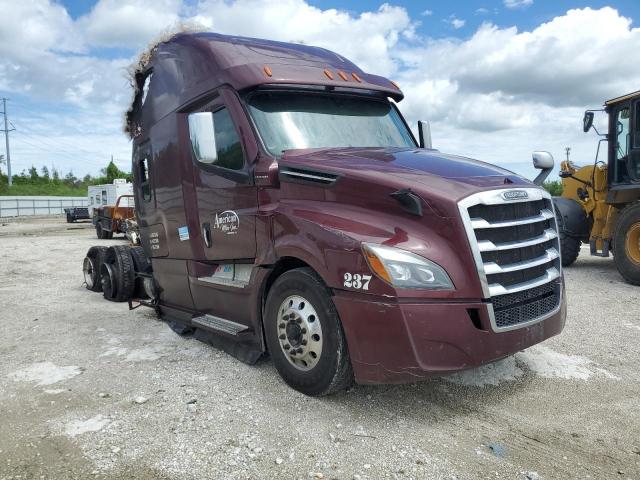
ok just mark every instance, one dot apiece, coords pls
pixel 626 243
pixel 304 335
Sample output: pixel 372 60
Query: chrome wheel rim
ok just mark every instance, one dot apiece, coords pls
pixel 88 270
pixel 108 284
pixel 299 332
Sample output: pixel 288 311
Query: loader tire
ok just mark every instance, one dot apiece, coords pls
pixel 569 246
pixel 626 243
pixel 91 268
pixel 118 279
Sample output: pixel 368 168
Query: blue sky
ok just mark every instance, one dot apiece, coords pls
pixel 496 78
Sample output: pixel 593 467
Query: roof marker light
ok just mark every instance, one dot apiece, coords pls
pixel 395 84
pixel 328 73
pixel 343 76
pixel 356 77
pixel 268 71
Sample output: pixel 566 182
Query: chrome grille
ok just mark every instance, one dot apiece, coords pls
pixel 517 252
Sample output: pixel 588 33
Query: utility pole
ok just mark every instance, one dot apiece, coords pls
pixel 567 150
pixel 6 139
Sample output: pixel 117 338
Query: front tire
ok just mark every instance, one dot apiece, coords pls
pixel 304 335
pixel 626 243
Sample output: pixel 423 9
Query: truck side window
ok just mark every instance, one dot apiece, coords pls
pixel 214 139
pixel 145 188
pixel 636 133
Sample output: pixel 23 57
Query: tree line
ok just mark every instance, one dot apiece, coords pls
pixel 51 181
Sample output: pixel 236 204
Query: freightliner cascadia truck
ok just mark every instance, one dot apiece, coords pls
pixel 286 208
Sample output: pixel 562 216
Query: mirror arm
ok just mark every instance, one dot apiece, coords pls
pixel 542 176
pixel 424 135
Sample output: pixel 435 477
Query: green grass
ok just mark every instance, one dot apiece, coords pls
pixel 51 189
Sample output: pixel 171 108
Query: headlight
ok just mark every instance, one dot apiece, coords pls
pixel 405 269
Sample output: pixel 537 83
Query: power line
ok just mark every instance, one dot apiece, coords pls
pixel 61 145
pixel 59 151
pixel 61 142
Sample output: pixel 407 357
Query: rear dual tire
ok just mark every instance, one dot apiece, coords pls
pixel 304 335
pixel 118 274
pixel 91 268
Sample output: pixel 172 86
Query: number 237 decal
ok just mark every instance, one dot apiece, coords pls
pixel 357 281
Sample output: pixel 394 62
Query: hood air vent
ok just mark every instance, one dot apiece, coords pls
pixel 307 175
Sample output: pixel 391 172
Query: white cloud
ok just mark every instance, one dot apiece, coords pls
pixel 427 13
pixel 497 95
pixel 457 23
pixel 367 39
pixel 518 3
pixel 113 23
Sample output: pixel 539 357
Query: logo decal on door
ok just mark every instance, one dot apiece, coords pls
pixel 227 222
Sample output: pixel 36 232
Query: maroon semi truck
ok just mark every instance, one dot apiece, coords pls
pixel 285 207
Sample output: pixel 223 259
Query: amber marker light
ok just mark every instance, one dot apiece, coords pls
pixel 375 264
pixel 328 73
pixel 356 77
pixel 268 71
pixel 395 84
pixel 342 75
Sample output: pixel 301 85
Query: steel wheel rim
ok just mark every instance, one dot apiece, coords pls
pixel 632 243
pixel 299 332
pixel 88 270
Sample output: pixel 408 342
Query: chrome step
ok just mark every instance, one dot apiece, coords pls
pixel 227 282
pixel 219 324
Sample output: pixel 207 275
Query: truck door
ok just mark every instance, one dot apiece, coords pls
pixel 634 154
pixel 225 195
pixel 224 248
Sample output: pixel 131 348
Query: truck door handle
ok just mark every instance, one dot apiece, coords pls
pixel 206 234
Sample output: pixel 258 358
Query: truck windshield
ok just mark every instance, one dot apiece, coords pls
pixel 288 121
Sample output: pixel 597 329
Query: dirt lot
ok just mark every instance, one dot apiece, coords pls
pixel 89 389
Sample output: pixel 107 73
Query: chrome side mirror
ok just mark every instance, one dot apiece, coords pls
pixel 424 134
pixel 202 136
pixel 542 161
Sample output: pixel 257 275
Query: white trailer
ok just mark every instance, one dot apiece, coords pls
pixel 108 194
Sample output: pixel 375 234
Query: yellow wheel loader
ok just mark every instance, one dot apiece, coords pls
pixel 600 203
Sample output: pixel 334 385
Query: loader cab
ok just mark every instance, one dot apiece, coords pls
pixel 624 147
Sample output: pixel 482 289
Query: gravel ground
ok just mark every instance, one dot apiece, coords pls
pixel 89 389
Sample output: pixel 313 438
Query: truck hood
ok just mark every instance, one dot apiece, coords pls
pixel 441 179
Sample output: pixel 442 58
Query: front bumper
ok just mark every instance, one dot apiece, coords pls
pixel 393 341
